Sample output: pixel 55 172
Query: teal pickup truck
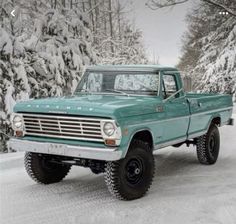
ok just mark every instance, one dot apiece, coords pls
pixel 113 122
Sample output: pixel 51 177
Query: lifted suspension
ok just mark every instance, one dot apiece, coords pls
pixel 97 166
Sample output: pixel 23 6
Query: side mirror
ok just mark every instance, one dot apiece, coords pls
pixel 173 95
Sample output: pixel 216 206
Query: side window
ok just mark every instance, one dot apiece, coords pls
pixel 169 85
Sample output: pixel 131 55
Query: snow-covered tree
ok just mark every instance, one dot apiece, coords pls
pixel 45 48
pixel 114 38
pixel 209 50
pixel 226 5
pixel 209 45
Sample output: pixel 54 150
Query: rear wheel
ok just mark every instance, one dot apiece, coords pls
pixel 208 146
pixel 131 177
pixel 40 168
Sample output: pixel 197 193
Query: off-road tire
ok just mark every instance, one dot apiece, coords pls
pixel 208 146
pixel 42 171
pixel 125 183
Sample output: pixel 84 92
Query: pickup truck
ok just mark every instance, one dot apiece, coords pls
pixel 113 122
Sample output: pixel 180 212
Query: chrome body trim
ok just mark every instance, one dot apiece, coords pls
pixel 107 154
pixel 188 116
pixel 179 140
pixel 169 143
pixel 212 111
pixel 160 121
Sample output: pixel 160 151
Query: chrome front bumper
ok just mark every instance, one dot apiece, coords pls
pixel 107 154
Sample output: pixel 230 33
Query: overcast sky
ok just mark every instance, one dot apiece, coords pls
pixel 162 30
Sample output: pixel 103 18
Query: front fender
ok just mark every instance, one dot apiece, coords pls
pixel 127 137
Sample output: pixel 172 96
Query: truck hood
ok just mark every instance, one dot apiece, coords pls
pixel 112 106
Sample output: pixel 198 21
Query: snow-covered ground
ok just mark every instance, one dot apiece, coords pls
pixel 183 191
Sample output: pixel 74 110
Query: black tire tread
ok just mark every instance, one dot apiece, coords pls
pixel 111 174
pixel 31 162
pixel 202 150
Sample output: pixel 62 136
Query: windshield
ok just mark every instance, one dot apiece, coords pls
pixel 119 83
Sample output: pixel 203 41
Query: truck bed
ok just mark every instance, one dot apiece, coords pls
pixel 201 95
pixel 208 101
pixel 204 107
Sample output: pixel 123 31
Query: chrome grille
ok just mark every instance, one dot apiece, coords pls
pixel 69 127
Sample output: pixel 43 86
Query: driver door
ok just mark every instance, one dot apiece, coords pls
pixel 176 110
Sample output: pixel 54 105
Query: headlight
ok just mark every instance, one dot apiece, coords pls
pixel 109 128
pixel 111 132
pixel 17 122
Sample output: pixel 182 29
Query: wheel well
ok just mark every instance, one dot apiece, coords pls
pixel 216 120
pixel 145 136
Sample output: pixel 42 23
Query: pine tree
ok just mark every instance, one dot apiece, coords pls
pixel 209 50
pixel 45 48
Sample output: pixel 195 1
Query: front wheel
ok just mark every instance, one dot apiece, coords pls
pixel 131 177
pixel 42 170
pixel 208 146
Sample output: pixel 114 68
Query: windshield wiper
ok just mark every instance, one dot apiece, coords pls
pixel 116 91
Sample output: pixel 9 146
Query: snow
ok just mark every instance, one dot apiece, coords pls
pixel 5 42
pixel 45 48
pixel 183 191
pixel 8 99
pixel 209 49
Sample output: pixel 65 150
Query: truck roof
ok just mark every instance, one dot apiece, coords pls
pixel 152 68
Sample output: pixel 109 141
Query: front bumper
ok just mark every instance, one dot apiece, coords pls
pixel 107 154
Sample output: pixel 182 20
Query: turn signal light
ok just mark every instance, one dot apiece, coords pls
pixel 110 142
pixel 19 133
